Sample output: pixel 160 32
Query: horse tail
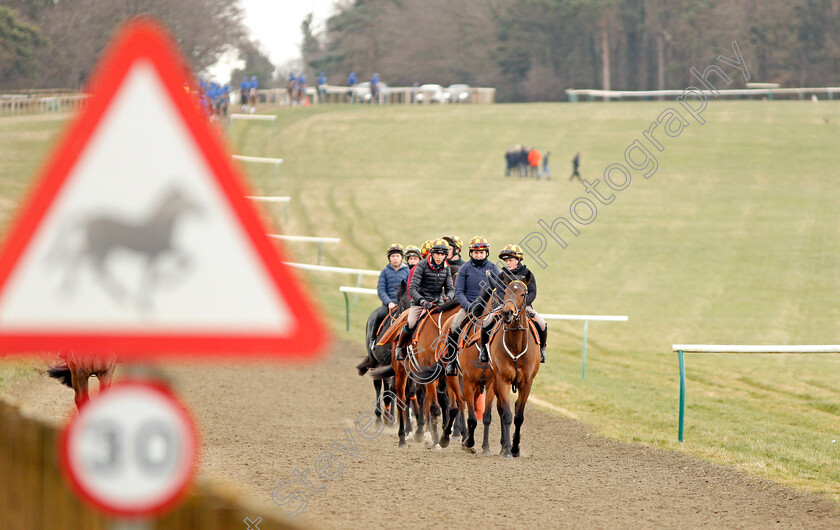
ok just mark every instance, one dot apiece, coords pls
pixel 383 372
pixel 62 373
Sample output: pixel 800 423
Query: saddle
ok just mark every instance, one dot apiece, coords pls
pixel 394 329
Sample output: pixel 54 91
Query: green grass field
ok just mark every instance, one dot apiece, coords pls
pixel 733 240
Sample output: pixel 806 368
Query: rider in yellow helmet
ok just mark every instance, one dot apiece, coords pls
pixel 389 283
pixel 514 270
pixel 454 256
pixel 469 284
pixel 430 284
pixel 412 256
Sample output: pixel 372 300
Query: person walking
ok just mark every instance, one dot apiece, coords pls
pixel 575 166
pixel 545 169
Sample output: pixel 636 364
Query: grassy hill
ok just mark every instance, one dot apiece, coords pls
pixel 733 240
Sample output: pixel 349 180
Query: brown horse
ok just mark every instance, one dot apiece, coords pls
pixel 515 356
pixel 76 369
pixel 475 378
pixel 420 366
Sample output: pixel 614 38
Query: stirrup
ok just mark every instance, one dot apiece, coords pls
pixel 451 369
pixel 483 354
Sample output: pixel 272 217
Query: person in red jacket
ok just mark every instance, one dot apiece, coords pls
pixel 534 161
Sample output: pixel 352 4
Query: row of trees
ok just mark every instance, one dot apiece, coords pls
pixel 56 43
pixel 535 49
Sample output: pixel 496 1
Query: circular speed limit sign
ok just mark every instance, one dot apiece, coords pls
pixel 131 451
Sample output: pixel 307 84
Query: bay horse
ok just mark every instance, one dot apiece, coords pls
pixel 515 358
pixel 476 378
pixel 75 369
pixel 379 356
pixel 420 366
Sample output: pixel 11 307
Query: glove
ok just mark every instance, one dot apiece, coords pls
pixel 425 304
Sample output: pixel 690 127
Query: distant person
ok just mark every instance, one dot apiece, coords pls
pixel 301 88
pixel 244 86
pixel 374 88
pixel 322 86
pixel 575 166
pixel 510 161
pixel 534 161
pixel 291 86
pixel 545 170
pixel 351 82
pixel 522 161
pixel 252 94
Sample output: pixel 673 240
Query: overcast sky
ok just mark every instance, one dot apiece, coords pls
pixel 276 25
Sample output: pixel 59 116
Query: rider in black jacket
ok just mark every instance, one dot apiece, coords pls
pixel 431 283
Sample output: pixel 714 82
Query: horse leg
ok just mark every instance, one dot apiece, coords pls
pixel 113 287
pixel 377 385
pixel 489 394
pixel 432 410
pixel 503 408
pixel 399 383
pixel 450 417
pixel 80 386
pixel 388 402
pixel 520 416
pixel 470 393
pixel 419 399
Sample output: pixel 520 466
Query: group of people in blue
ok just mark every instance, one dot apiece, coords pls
pixel 213 98
pixel 436 274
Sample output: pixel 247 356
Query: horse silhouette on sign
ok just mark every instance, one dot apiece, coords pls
pixel 93 240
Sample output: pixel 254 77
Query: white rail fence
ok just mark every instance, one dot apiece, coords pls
pixel 262 160
pixel 682 349
pixel 586 319
pixel 309 239
pixel 275 200
pixel 829 93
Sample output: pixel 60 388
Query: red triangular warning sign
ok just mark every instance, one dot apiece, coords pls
pixel 138 238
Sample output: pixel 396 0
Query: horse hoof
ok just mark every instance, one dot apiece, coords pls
pixel 444 442
pixel 470 450
pixel 403 445
pixel 507 455
pixel 437 447
pixel 487 452
pixel 515 454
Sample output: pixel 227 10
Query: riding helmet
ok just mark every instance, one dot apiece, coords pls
pixel 411 250
pixel 424 250
pixel 454 241
pixel 479 243
pixel 439 246
pixel 395 248
pixel 511 251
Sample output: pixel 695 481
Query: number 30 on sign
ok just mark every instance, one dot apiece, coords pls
pixel 130 452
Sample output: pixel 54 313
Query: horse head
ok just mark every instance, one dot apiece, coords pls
pixel 514 300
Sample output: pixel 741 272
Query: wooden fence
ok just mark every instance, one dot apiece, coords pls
pixel 33 494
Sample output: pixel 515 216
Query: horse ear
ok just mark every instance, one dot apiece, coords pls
pixel 402 288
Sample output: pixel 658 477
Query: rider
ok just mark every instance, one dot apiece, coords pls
pixel 514 270
pixel 454 256
pixel 412 256
pixel 431 284
pixel 471 280
pixel 389 282
pixel 424 253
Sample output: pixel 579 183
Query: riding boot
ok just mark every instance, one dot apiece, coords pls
pixel 484 347
pixel 543 333
pixel 402 342
pixel 452 350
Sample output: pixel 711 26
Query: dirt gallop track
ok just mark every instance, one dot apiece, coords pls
pixel 261 424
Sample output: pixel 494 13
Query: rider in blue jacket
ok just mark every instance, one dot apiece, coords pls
pixel 469 284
